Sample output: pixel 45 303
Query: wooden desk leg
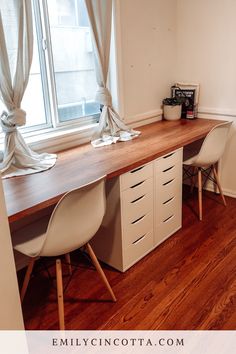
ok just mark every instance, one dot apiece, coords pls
pixel 200 192
pixel 100 271
pixel 218 184
pixel 60 295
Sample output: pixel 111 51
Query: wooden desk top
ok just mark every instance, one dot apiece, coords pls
pixel 26 195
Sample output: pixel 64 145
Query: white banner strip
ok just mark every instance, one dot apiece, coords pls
pixel 76 342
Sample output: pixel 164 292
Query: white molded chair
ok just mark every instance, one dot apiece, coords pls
pixel 210 153
pixel 74 221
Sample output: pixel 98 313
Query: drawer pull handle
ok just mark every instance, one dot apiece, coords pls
pixel 137 184
pixel 165 184
pixel 166 157
pixel 139 239
pixel 168 201
pixel 170 217
pixel 168 169
pixel 136 200
pixel 137 169
pixel 135 221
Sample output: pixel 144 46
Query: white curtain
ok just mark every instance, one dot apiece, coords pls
pixel 111 128
pixel 16 48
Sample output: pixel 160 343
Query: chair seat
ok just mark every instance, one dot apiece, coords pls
pixel 190 161
pixel 22 239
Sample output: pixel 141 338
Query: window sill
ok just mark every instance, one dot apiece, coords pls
pixel 54 140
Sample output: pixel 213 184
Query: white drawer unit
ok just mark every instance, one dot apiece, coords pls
pixel 126 234
pixel 143 208
pixel 168 195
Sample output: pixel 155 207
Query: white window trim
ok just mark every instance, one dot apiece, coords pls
pixel 57 139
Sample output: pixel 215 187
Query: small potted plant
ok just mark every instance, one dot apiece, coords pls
pixel 172 108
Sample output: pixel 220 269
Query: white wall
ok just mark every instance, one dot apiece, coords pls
pixel 163 41
pixel 146 55
pixel 10 308
pixel 206 53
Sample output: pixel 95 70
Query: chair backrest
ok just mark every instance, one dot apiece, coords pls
pixel 213 145
pixel 75 219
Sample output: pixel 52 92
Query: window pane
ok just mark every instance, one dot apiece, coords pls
pixel 73 61
pixel 82 14
pixel 64 13
pixel 33 102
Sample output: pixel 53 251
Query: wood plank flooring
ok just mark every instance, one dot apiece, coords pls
pixel 189 282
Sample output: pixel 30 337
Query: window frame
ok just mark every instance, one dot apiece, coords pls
pixel 51 75
pixel 43 71
pixel 44 44
pixel 81 121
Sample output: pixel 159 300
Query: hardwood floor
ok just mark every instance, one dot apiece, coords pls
pixel 188 282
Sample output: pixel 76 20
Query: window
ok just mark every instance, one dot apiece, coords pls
pixel 62 83
pixel 73 62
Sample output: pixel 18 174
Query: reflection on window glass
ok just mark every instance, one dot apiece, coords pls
pixel 73 63
pixel 66 12
pixel 82 14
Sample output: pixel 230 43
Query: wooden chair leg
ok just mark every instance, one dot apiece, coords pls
pixel 27 278
pixel 100 271
pixel 200 192
pixel 218 185
pixel 216 188
pixel 60 295
pixel 67 257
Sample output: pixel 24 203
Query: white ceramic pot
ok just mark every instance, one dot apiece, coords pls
pixel 172 112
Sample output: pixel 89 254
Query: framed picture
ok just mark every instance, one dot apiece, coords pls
pixel 189 94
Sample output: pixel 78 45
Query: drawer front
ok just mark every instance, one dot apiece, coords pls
pixel 169 160
pixel 131 194
pixel 134 211
pixel 168 226
pixel 167 190
pixel 169 174
pixel 167 209
pixel 136 229
pixel 136 176
pixel 138 249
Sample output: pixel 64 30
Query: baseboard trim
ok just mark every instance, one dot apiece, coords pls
pixel 226 192
pixel 219 113
pixel 145 121
pixel 140 118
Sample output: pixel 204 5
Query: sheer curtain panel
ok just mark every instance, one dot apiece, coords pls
pixel 16 48
pixel 111 128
